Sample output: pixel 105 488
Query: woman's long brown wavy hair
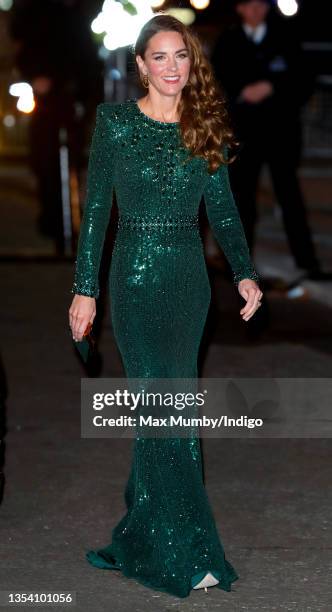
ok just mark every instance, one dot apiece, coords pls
pixel 204 121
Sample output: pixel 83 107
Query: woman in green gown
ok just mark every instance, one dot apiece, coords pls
pixel 161 154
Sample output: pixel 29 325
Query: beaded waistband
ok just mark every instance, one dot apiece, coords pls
pixel 156 222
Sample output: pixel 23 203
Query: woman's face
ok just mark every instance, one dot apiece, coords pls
pixel 166 62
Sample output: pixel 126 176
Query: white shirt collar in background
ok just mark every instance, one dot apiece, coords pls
pixel 256 34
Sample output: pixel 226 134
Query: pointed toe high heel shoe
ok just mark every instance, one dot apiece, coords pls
pixel 203 581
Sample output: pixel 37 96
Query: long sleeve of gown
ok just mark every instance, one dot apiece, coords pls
pixel 97 208
pixel 226 224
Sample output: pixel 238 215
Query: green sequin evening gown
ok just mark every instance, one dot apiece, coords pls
pixel 159 295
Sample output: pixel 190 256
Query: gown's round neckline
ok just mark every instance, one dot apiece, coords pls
pixel 164 123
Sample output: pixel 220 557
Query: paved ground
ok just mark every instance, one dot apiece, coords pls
pixel 64 494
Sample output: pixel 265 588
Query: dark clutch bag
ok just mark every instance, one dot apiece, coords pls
pixel 87 346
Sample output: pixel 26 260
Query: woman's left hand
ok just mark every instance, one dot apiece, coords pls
pixel 251 292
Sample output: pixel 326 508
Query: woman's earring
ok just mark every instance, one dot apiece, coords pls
pixel 145 81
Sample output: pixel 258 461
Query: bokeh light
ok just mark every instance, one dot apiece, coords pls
pixel 6 5
pixel 121 28
pixel 200 4
pixel 156 3
pixel 9 121
pixel 24 92
pixel 288 7
pixel 185 15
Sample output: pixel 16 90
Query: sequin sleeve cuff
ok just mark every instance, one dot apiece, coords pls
pixel 86 286
pixel 251 274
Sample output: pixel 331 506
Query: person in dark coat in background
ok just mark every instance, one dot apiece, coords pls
pixel 260 66
pixel 55 53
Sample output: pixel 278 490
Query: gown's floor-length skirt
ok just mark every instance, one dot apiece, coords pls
pixel 160 295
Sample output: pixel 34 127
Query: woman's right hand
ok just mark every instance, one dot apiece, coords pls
pixel 81 312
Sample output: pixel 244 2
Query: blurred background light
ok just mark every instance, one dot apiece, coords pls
pixel 24 92
pixel 98 25
pixel 9 121
pixel 103 53
pixel 25 104
pixel 186 16
pixel 6 5
pixel 288 7
pixel 200 4
pixel 121 26
pixel 156 3
pixel 115 74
